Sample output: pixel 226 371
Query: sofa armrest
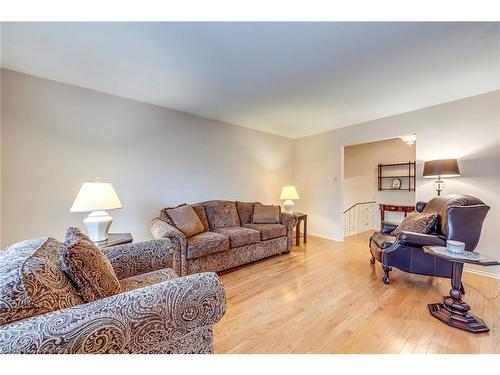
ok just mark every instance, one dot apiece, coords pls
pixel 175 316
pixel 387 227
pixel 161 229
pixel 289 221
pixel 419 239
pixel 140 257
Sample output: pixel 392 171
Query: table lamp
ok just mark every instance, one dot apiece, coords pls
pixel 96 197
pixel 288 193
pixel 441 168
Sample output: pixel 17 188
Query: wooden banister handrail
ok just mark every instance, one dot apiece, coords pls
pixel 359 203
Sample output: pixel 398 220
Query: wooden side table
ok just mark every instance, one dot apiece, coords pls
pixel 454 311
pixel 115 239
pixel 394 208
pixel 300 218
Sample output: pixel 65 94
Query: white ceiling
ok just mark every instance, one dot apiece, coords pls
pixel 292 79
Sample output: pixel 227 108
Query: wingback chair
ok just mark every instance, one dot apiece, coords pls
pixel 460 218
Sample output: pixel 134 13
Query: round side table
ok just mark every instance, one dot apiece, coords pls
pixel 454 311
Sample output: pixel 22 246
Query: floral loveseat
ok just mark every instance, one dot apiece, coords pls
pixel 229 238
pixel 155 312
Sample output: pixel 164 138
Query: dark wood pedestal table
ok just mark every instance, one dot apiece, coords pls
pixel 454 311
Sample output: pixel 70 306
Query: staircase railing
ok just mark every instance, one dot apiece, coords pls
pixel 360 217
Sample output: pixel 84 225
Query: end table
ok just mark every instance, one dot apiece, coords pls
pixel 115 239
pixel 454 311
pixel 300 218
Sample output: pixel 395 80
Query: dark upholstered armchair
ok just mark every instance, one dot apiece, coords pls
pixel 460 218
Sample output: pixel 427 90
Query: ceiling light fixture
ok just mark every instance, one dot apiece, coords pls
pixel 409 139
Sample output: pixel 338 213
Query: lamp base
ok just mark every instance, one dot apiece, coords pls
pixel 288 205
pixel 439 186
pixel 97 225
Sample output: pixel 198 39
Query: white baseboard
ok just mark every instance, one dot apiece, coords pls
pixel 482 273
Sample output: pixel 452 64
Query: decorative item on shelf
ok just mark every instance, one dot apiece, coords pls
pixel 96 197
pixel 289 193
pixel 455 247
pixel 397 176
pixel 409 139
pixel 441 168
pixel 396 184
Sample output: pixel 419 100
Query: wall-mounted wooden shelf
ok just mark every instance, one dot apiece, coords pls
pixel 408 180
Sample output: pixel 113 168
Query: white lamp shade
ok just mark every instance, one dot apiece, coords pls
pixel 96 196
pixel 289 192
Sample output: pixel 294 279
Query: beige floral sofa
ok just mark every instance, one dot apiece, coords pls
pixel 155 312
pixel 229 238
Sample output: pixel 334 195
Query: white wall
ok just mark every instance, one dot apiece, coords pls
pixel 467 129
pixel 361 175
pixel 56 136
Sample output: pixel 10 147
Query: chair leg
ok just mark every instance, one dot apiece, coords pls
pixel 372 260
pixel 462 290
pixel 386 278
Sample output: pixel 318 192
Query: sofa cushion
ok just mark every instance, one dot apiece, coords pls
pixel 383 240
pixel 222 214
pixel 268 231
pixel 245 211
pixel 87 267
pixel 417 222
pixel 32 282
pixel 206 243
pixel 147 279
pixel 239 236
pixel 186 220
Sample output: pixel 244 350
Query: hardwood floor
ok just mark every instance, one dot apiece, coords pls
pixel 325 297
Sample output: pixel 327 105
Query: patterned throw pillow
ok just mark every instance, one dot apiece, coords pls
pixel 31 280
pixel 417 222
pixel 87 267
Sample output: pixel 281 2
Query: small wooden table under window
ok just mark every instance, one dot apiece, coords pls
pixel 300 218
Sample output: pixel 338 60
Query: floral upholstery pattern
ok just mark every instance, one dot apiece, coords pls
pixel 268 231
pixel 289 221
pixel 161 229
pixel 139 257
pixel 245 211
pixel 31 280
pixel 241 249
pixel 222 214
pixel 417 222
pixel 147 279
pixel 206 243
pixel 237 256
pixel 174 316
pixel 239 236
pixel 87 267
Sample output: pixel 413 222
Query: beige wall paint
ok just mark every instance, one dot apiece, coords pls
pixel 361 175
pixel 56 136
pixel 467 129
